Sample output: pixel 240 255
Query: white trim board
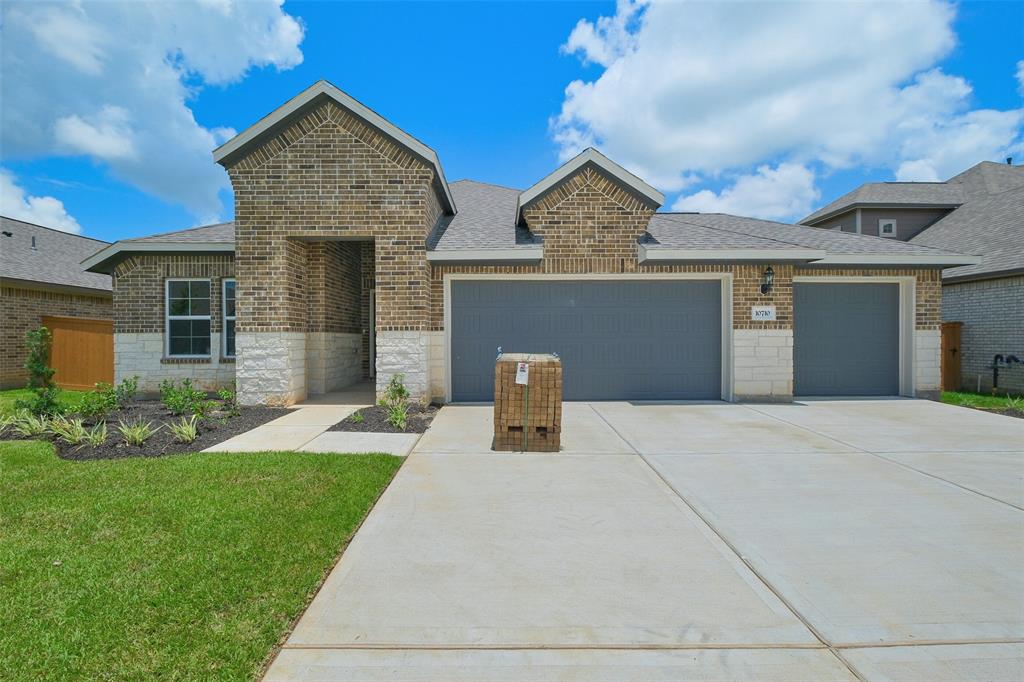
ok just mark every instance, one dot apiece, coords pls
pixel 154 247
pixel 907 320
pixel 523 255
pixel 725 279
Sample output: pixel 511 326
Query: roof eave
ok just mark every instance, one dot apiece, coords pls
pixel 55 286
pixel 647 254
pixel 896 259
pixel 104 260
pixel 465 256
pixel 811 220
pixel 242 140
pixel 987 274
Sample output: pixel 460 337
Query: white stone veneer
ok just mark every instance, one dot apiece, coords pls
pixel 405 353
pixel 763 364
pixel 436 382
pixel 271 367
pixel 927 363
pixel 333 361
pixel 141 354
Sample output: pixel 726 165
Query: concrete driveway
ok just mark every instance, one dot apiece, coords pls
pixel 832 540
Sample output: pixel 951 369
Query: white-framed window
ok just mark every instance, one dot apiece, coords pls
pixel 187 309
pixel 886 227
pixel 228 308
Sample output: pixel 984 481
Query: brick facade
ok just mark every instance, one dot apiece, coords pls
pixel 22 310
pixel 992 312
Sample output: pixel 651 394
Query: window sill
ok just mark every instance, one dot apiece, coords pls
pixel 227 361
pixel 185 361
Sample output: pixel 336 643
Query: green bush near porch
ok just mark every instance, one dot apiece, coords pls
pixel 183 567
pixel 69 400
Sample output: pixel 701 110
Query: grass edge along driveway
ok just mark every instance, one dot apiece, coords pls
pixel 187 566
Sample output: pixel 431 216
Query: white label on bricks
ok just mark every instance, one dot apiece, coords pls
pixel 762 313
pixel 523 373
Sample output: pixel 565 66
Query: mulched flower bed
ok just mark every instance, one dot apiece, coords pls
pixel 375 420
pixel 215 429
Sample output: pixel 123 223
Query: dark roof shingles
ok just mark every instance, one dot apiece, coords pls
pixel 56 260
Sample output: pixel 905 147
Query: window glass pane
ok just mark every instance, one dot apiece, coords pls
pixel 229 298
pixel 200 306
pixel 229 338
pixel 177 306
pixel 189 337
pixel 177 289
pixel 200 289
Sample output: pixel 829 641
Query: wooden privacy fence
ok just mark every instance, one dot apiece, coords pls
pixel 83 351
pixel 951 355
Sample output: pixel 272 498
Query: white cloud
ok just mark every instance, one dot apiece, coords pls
pixel 113 81
pixel 772 193
pixel 45 211
pixel 712 88
pixel 1020 77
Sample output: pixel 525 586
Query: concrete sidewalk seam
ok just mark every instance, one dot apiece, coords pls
pixel 891 461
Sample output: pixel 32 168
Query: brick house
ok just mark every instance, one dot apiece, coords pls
pixel 979 211
pixel 41 276
pixel 352 257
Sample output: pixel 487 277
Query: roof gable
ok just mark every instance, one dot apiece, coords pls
pixel 593 158
pixel 309 98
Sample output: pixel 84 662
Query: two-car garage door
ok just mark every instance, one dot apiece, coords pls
pixel 618 339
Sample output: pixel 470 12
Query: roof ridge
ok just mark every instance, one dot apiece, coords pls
pixel 489 184
pixel 54 229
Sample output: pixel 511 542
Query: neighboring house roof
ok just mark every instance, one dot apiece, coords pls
pixel 207 239
pixel 987 216
pixel 594 158
pixel 285 114
pixel 722 237
pixel 55 261
pixel 992 226
pixel 884 194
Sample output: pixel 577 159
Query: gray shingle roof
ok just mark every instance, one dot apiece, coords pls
pixel 991 226
pixel 56 260
pixel 722 231
pixel 486 220
pixel 220 233
pixel 889 193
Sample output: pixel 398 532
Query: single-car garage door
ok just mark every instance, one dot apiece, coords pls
pixel 846 339
pixel 618 339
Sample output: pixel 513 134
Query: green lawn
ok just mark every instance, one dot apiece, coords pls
pixel 987 402
pixel 69 399
pixel 183 567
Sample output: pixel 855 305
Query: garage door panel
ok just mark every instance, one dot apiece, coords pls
pixel 624 340
pixel 845 339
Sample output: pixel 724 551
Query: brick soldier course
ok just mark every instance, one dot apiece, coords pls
pixel 332 202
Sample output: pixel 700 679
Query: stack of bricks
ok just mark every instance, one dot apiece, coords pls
pixel 528 420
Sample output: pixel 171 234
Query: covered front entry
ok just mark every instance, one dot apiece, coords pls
pixel 846 339
pixel 618 339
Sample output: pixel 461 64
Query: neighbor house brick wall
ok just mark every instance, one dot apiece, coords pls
pixel 329 176
pixel 992 312
pixel 22 309
pixel 139 322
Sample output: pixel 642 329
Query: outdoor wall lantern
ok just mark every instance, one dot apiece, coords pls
pixel 768 280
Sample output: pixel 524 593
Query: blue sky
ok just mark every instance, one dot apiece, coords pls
pixel 660 89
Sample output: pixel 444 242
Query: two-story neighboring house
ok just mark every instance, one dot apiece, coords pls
pixel 980 211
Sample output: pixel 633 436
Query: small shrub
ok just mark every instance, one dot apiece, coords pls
pixel 396 392
pixel 135 432
pixel 97 435
pixel 230 400
pixel 99 402
pixel 29 425
pixel 397 415
pixel 186 430
pixel 6 422
pixel 180 400
pixel 40 374
pixel 71 431
pixel 203 408
pixel 358 418
pixel 125 391
pixel 1015 402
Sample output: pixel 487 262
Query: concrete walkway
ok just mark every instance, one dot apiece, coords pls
pixel 822 541
pixel 304 429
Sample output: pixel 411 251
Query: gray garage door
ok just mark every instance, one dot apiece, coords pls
pixel 618 340
pixel 846 339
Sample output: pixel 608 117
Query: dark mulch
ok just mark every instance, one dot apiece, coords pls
pixel 215 429
pixel 375 420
